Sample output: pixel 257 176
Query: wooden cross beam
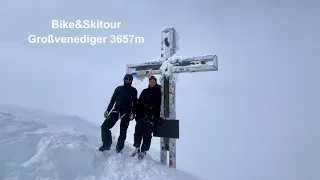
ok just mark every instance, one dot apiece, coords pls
pixel 168 65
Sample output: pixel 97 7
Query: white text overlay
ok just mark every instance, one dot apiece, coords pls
pixel 84 24
pixel 85 39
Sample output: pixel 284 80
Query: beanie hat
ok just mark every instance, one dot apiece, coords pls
pixel 128 77
pixel 153 77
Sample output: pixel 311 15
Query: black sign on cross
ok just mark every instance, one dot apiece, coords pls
pixel 168 66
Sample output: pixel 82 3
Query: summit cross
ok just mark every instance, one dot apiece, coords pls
pixel 168 65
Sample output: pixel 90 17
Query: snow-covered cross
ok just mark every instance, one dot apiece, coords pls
pixel 169 66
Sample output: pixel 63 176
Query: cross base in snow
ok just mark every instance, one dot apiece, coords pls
pixel 168 65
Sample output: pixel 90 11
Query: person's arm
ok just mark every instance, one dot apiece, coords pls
pixel 134 99
pixel 113 99
pixel 140 103
pixel 158 103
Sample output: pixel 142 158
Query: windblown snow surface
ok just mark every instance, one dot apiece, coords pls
pixel 38 145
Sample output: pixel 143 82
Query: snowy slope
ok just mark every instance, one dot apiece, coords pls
pixel 40 145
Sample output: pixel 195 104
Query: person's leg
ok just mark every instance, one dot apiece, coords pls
pixel 147 136
pixel 137 138
pixel 105 131
pixel 138 135
pixel 124 124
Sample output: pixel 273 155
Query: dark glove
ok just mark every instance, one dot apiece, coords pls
pixel 159 122
pixel 132 117
pixel 138 118
pixel 107 113
pixel 130 112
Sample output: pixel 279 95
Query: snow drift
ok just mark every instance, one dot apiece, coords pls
pixel 40 145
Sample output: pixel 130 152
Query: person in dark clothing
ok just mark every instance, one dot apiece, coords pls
pixel 147 115
pixel 123 102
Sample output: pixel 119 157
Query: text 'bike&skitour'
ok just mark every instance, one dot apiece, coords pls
pixel 84 24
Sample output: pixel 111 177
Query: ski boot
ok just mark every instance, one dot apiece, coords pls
pixel 134 152
pixel 118 151
pixel 104 148
pixel 141 155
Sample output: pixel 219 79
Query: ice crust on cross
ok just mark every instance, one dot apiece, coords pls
pixel 176 34
pixel 166 67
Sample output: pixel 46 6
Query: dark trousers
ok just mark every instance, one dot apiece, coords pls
pixel 108 124
pixel 143 131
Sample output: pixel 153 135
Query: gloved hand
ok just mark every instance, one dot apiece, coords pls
pixel 159 122
pixel 106 114
pixel 138 118
pixel 132 116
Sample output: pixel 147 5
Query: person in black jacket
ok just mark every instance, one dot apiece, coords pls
pixel 147 115
pixel 123 102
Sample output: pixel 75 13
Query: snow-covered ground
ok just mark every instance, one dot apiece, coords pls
pixel 38 145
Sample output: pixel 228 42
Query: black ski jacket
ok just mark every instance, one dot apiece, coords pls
pixel 149 104
pixel 124 99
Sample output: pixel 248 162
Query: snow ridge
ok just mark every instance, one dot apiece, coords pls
pixel 53 147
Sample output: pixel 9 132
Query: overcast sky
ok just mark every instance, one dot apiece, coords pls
pixel 255 118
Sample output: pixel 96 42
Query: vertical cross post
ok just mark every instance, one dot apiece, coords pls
pixel 168 49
